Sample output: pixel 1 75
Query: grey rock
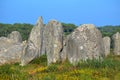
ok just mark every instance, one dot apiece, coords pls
pixel 29 53
pixel 53 41
pixel 10 51
pixel 36 35
pixel 16 36
pixel 85 43
pixel 63 53
pixel 43 48
pixel 107 41
pixel 116 43
pixel 33 48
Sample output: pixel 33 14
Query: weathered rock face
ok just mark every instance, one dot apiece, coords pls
pixel 29 53
pixel 43 48
pixel 48 39
pixel 63 53
pixel 53 41
pixel 116 43
pixel 36 35
pixel 15 35
pixel 10 51
pixel 33 48
pixel 85 43
pixel 107 41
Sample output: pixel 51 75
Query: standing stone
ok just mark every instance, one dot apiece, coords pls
pixel 33 48
pixel 107 41
pixel 36 35
pixel 16 36
pixel 116 43
pixel 10 51
pixel 85 43
pixel 53 41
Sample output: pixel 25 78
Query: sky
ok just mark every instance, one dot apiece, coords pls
pixel 98 12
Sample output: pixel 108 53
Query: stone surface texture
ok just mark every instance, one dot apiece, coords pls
pixel 10 51
pixel 33 48
pixel 116 43
pixel 107 42
pixel 16 36
pixel 85 43
pixel 53 41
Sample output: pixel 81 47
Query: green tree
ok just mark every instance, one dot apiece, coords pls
pixel 68 28
pixel 24 29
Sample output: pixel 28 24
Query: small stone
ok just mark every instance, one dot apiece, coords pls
pixel 107 41
pixel 16 36
pixel 116 43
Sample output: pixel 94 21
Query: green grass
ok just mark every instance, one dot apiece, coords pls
pixel 107 69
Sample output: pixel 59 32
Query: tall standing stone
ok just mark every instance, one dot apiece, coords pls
pixel 33 48
pixel 116 43
pixel 53 41
pixel 36 35
pixel 107 41
pixel 85 43
pixel 15 36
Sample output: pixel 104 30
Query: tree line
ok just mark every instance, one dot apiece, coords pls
pixel 109 30
pixel 25 29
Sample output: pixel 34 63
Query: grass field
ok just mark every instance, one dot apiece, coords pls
pixel 108 69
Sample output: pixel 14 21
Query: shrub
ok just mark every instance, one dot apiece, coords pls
pixel 108 62
pixel 42 60
pixel 9 72
pixel 52 68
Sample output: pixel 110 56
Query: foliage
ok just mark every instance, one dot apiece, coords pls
pixel 109 30
pixel 24 29
pixel 42 60
pixel 68 28
pixel 107 69
pixel 11 72
pixel 108 62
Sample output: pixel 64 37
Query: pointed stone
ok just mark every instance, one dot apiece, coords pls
pixel 36 35
pixel 35 42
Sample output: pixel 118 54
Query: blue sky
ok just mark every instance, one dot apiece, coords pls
pixel 98 12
